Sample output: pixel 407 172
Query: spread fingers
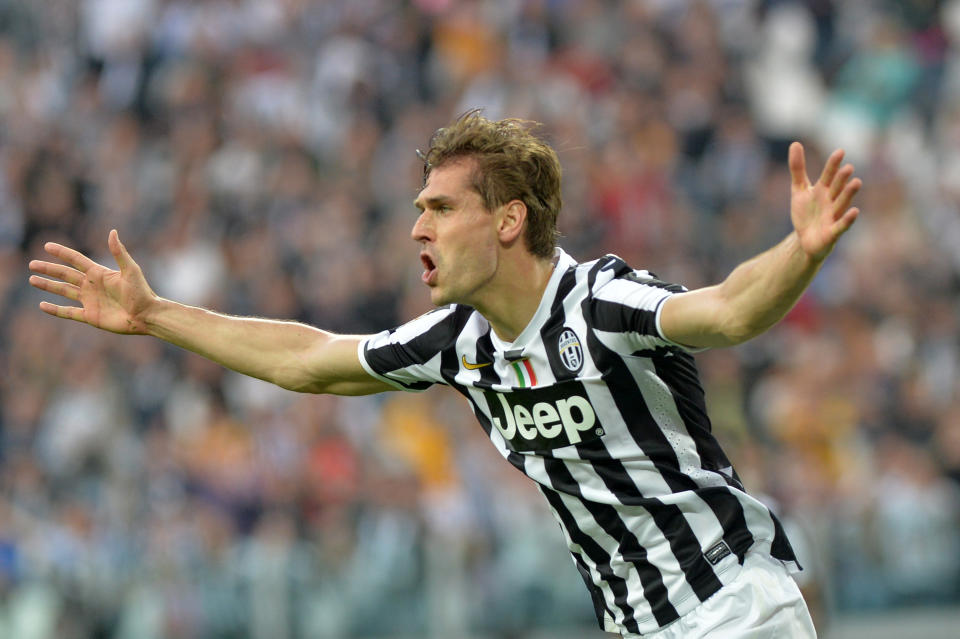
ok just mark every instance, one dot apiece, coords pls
pixel 58 271
pixel 74 258
pixel 840 181
pixel 64 312
pixel 830 168
pixel 63 289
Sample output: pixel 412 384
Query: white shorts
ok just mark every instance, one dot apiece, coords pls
pixel 762 602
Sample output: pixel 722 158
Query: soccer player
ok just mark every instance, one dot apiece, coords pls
pixel 581 374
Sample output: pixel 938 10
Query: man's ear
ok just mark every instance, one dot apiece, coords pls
pixel 512 216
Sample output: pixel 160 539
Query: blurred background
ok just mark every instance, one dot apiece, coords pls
pixel 258 157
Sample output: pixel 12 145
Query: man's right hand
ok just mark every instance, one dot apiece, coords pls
pixel 115 301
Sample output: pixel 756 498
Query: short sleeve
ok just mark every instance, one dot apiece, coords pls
pixel 628 307
pixel 409 357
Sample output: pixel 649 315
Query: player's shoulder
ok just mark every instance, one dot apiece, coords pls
pixel 612 268
pixel 434 331
pixel 459 318
pixel 447 319
pixel 454 316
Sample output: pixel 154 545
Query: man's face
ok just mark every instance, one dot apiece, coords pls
pixel 457 235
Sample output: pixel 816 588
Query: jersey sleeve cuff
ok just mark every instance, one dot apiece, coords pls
pixel 362 356
pixel 683 347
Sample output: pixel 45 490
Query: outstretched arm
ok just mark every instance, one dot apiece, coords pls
pixel 759 292
pixel 289 354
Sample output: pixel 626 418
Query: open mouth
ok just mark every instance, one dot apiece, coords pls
pixel 429 269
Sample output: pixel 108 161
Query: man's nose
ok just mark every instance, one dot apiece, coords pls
pixel 421 229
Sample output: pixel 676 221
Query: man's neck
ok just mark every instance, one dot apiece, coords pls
pixel 512 303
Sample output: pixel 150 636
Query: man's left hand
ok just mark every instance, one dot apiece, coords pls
pixel 821 212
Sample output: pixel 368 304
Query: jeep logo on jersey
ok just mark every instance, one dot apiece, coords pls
pixel 571 353
pixel 544 418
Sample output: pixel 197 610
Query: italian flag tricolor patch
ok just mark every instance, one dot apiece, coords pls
pixel 525 375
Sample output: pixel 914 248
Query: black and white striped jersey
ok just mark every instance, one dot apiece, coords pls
pixel 593 403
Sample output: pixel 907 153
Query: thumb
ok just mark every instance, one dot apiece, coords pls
pixel 124 261
pixel 798 166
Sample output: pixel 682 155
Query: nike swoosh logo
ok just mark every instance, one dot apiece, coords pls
pixel 472 367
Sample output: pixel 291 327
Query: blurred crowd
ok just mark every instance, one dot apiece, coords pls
pixel 258 157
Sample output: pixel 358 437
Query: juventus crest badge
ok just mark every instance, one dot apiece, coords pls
pixel 571 353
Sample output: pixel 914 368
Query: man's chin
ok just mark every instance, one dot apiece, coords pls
pixel 442 297
pixel 438 297
pixel 439 300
